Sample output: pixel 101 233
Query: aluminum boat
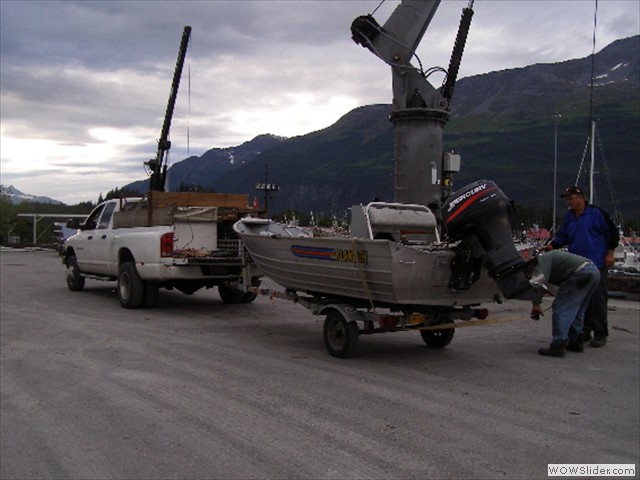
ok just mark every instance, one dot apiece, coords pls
pixel 393 256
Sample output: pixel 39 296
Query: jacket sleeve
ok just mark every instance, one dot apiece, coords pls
pixel 538 293
pixel 561 238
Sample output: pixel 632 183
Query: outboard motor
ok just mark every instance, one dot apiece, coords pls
pixel 480 216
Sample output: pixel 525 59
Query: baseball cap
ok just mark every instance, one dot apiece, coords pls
pixel 572 191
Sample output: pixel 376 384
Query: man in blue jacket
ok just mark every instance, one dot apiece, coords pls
pixel 588 231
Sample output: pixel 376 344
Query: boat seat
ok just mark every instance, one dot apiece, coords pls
pixel 403 224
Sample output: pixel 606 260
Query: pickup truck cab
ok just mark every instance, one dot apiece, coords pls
pixel 166 240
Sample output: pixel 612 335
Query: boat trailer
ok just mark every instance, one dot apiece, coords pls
pixel 348 318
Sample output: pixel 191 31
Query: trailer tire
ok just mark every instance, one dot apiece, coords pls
pixel 130 286
pixel 75 281
pixel 340 336
pixel 438 338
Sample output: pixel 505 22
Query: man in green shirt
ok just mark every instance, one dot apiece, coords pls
pixel 576 278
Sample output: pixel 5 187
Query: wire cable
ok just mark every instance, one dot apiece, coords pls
pixel 379 5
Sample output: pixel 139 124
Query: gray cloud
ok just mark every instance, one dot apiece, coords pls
pixel 85 84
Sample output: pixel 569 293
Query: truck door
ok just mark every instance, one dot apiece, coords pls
pixel 84 239
pixel 102 240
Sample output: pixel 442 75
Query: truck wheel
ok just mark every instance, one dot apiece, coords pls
pixel 251 296
pixel 75 281
pixel 230 294
pixel 130 286
pixel 340 336
pixel 151 294
pixel 438 338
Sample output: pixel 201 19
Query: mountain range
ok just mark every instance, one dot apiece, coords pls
pixel 506 126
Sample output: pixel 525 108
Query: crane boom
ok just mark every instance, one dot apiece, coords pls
pixel 419 110
pixel 158 166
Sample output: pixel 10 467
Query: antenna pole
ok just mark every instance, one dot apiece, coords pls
pixel 593 161
pixel 555 173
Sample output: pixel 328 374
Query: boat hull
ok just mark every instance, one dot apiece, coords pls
pixel 379 271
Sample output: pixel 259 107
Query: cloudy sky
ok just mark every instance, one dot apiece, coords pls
pixel 84 85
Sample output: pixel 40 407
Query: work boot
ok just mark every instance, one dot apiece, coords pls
pixel 577 345
pixel 586 335
pixel 598 342
pixel 557 350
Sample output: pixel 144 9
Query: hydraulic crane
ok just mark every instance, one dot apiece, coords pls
pixel 158 165
pixel 419 112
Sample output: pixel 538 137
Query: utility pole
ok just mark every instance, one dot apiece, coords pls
pixel 555 173
pixel 267 187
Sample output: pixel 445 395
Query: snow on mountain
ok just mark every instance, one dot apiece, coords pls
pixel 15 196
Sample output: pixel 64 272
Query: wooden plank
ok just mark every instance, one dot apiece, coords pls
pixel 197 199
pixel 140 218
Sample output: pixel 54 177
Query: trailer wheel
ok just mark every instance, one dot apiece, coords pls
pixel 340 336
pixel 130 286
pixel 438 338
pixel 75 281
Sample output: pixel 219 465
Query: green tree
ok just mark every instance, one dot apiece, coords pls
pixel 6 215
pixel 13 225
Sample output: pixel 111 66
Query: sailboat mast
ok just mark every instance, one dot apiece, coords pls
pixel 555 171
pixel 593 123
pixel 593 160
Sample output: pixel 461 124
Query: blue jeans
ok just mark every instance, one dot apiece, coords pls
pixel 571 303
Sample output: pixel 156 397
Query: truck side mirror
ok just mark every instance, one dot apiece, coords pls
pixel 73 224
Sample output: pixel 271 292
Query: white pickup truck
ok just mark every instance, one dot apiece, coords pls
pixel 166 240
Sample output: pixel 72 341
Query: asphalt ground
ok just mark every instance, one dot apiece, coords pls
pixel 199 389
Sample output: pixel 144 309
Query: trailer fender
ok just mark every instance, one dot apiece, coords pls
pixel 347 311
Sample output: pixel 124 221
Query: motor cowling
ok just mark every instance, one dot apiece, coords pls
pixel 481 213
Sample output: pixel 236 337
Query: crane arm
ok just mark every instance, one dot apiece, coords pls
pixel 158 166
pixel 396 42
pixel 422 173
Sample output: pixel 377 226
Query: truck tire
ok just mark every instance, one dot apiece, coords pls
pixel 249 297
pixel 151 294
pixel 75 281
pixel 130 286
pixel 230 294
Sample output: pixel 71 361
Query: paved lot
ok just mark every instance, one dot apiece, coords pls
pixel 199 389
